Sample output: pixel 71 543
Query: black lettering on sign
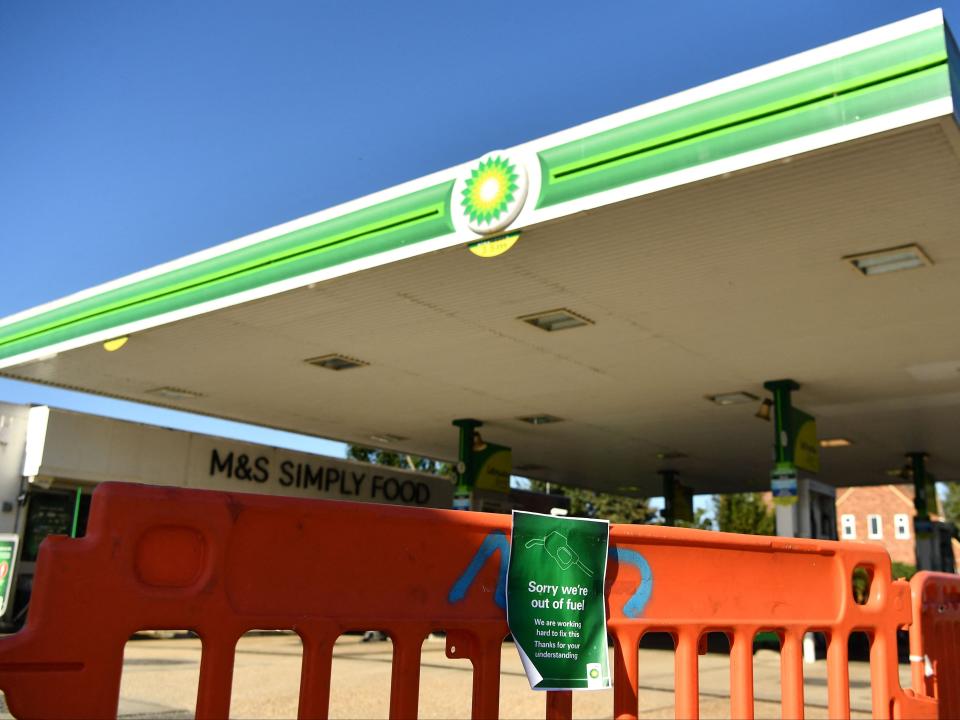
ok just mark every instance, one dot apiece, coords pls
pixel 423 493
pixel 391 488
pixel 309 478
pixel 262 466
pixel 222 465
pixel 333 476
pixel 242 469
pixel 256 468
pixel 357 480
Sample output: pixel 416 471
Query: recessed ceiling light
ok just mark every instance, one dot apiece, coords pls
pixel 387 438
pixel 934 371
pixel 336 362
pixel 553 320
pixel 174 393
pixel 905 257
pixel 732 398
pixel 835 442
pixel 671 455
pixel 540 419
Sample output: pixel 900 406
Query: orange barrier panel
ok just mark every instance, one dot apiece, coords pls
pixel 935 639
pixel 222 564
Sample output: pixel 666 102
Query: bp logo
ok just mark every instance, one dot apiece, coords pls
pixel 491 195
pixel 594 673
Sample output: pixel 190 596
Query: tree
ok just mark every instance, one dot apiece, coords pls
pixel 951 503
pixel 700 521
pixel 588 503
pixel 415 463
pixel 744 513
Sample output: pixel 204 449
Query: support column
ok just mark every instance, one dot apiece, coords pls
pixel 677 499
pixel 918 468
pixel 787 517
pixel 782 407
pixel 466 470
pixel 925 552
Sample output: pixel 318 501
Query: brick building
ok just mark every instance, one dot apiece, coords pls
pixel 882 514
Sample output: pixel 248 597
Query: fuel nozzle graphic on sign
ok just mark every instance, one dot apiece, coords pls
pixel 556 546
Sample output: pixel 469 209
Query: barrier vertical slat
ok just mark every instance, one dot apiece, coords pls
pixel 216 677
pixel 559 705
pixel 936 654
pixel 626 702
pixel 486 678
pixel 949 654
pixel 917 665
pixel 741 674
pixel 948 675
pixel 686 680
pixel 879 678
pixel 315 675
pixel 405 676
pixel 791 674
pixel 838 675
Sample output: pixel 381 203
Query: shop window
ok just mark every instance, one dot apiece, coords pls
pixel 901 527
pixel 51 512
pixel 874 527
pixel 848 527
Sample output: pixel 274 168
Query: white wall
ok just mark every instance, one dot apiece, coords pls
pixel 93 449
pixel 13 432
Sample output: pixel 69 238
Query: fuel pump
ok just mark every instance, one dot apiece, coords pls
pixel 805 507
pixel 934 550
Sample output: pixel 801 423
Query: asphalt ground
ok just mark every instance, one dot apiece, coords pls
pixel 160 681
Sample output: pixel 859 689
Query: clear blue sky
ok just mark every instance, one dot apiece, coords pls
pixel 135 132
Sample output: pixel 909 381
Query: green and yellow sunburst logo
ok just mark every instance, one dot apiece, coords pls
pixel 490 191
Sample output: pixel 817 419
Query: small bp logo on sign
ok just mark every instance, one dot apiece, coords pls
pixel 492 193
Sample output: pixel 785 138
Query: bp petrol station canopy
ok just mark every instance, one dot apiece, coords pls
pixel 702 238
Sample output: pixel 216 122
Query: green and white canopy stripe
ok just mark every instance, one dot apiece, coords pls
pixel 881 80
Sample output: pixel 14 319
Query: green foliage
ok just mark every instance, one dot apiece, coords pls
pixel 587 503
pixel 903 570
pixel 951 503
pixel 860 585
pixel 415 463
pixel 861 579
pixel 700 521
pixel 744 513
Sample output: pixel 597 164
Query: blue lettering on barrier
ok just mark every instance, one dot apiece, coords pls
pixel 495 541
pixel 491 543
pixel 634 607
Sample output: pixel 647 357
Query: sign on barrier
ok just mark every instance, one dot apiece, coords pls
pixel 8 560
pixel 555 605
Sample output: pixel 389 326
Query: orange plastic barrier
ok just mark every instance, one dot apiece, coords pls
pixel 935 639
pixel 222 564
